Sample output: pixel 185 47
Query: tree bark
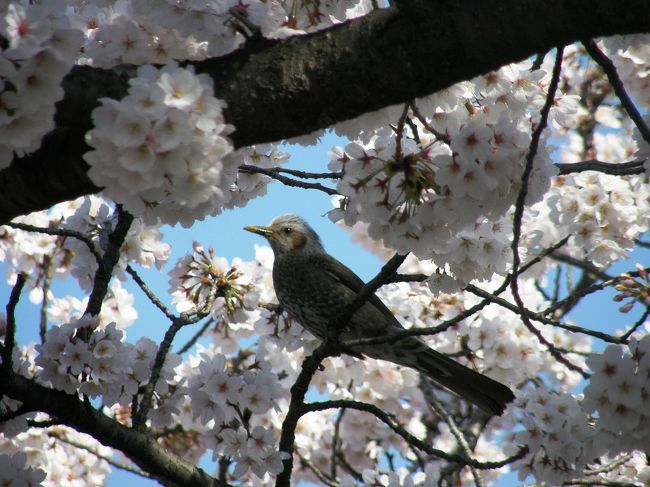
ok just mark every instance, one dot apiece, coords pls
pixel 276 90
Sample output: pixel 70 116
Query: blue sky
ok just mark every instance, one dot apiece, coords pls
pixel 226 235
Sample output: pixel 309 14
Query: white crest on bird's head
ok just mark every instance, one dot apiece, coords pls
pixel 288 233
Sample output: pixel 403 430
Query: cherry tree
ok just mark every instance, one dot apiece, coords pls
pixel 496 161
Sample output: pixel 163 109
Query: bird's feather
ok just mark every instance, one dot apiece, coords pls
pixel 345 276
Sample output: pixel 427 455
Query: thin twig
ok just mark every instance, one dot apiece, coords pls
pixel 247 168
pixel 335 441
pixel 140 410
pixel 576 294
pixel 320 475
pixel 539 316
pixel 358 476
pixel 109 460
pixel 192 341
pixel 47 282
pixel 614 79
pixel 445 325
pixel 599 482
pixel 609 466
pixel 637 324
pixel 519 212
pixel 586 281
pixel 149 293
pixel 60 232
pixel 389 421
pixel 309 175
pixel 438 135
pixel 453 428
pixel 10 335
pixel 584 265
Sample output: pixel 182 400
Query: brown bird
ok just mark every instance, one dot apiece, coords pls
pixel 314 287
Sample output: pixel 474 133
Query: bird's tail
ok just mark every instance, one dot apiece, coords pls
pixel 488 394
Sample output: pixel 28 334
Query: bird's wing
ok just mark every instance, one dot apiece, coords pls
pixel 344 275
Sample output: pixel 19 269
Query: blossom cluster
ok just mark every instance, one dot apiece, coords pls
pixel 73 459
pixel 82 357
pixel 40 256
pixel 160 151
pixel 603 214
pixel 117 307
pixel 557 433
pixel 160 31
pixel 14 470
pixel 456 167
pixel 228 400
pixel 96 218
pixel 203 279
pixel 251 185
pixel 563 434
pixel 631 55
pixel 617 393
pixel 38 48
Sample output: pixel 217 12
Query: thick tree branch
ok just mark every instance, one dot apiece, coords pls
pixel 281 89
pixel 143 450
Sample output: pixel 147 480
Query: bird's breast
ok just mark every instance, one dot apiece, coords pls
pixel 307 293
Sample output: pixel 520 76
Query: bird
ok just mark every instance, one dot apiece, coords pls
pixel 314 287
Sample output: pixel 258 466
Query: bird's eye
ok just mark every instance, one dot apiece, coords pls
pixel 287 230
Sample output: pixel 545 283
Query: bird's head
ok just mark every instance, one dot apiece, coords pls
pixel 289 233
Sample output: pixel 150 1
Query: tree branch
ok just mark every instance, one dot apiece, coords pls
pixel 122 466
pixel 274 173
pixel 10 335
pixel 60 232
pixel 519 211
pixel 614 168
pixel 139 412
pixel 297 409
pixel 540 316
pixel 438 409
pixel 389 421
pixel 143 450
pixel 383 277
pixel 108 262
pixel 149 293
pixel 614 80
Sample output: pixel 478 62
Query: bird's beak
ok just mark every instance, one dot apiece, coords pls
pixel 263 231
